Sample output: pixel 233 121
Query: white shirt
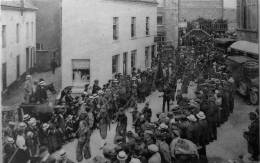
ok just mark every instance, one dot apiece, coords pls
pixel 20 142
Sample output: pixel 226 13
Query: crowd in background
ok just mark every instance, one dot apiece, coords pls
pixel 198 96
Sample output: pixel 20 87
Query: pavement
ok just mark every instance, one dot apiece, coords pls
pixel 229 145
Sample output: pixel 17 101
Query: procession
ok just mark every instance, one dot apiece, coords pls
pixel 164 81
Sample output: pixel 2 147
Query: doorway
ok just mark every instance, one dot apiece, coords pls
pixel 27 58
pixel 125 63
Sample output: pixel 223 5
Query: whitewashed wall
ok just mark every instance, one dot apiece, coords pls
pixel 87 33
pixel 10 18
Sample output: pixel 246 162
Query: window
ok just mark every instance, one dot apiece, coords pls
pixel 17 33
pixel 133 58
pixel 133 27
pixel 147 24
pixel 153 51
pixel 80 71
pixel 27 31
pixel 3 36
pixel 115 28
pixel 147 56
pixel 159 20
pixel 115 63
pixel 244 14
pixel 32 30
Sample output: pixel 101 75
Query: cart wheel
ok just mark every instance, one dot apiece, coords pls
pixel 254 98
pixel 242 88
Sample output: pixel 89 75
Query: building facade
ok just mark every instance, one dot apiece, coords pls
pixel 48 26
pixel 18 40
pixel 193 9
pixel 247 20
pixel 167 21
pixel 108 37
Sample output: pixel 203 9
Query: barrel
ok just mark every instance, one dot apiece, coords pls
pixel 251 69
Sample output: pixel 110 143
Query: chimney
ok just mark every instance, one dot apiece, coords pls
pixel 22 6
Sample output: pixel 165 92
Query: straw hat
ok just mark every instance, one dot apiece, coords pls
pixel 28 77
pixel 201 115
pixel 45 126
pixel 21 124
pixel 163 126
pixel 42 83
pixel 153 148
pixel 26 117
pixel 121 156
pixel 192 118
pixel 10 140
pixel 135 160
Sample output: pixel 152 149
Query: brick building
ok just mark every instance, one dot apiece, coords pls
pixel 193 9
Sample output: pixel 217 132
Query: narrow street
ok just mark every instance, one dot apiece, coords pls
pixel 229 145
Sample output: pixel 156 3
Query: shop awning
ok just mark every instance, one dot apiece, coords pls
pixel 245 46
pixel 224 40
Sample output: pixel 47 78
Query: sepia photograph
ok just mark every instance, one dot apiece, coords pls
pixel 129 81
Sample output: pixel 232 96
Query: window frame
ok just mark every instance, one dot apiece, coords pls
pixel 18 32
pixel 133 27
pixel 161 20
pixel 147 26
pixel 4 38
pixel 115 28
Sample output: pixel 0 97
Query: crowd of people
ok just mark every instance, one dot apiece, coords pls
pixel 198 96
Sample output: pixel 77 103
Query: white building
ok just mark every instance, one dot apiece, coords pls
pixel 18 40
pixel 103 37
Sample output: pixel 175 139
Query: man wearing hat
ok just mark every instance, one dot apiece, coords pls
pixel 252 137
pixel 203 136
pixel 192 129
pixel 164 148
pixel 8 149
pixel 28 89
pixel 147 112
pixel 96 87
pixel 122 157
pixel 10 130
pixel 83 146
pixel 155 155
pixel 122 123
pixel 41 92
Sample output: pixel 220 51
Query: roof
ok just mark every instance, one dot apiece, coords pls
pixel 246 46
pixel 240 59
pixel 16 5
pixel 224 40
pixel 140 1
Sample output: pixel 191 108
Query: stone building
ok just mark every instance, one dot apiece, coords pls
pixel 18 20
pixel 247 20
pixel 193 9
pixel 105 37
pixel 167 21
